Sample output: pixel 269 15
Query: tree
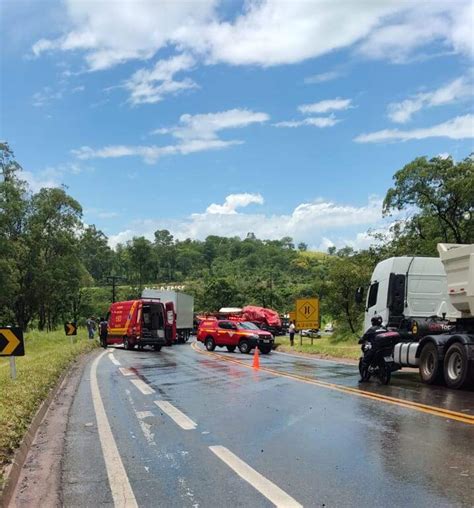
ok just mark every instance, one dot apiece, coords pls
pixel 436 193
pixel 141 259
pixel 346 272
pixel 95 253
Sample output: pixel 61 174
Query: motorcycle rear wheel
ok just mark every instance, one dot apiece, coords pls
pixel 363 371
pixel 384 373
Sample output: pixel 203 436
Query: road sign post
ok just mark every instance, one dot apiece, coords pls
pixel 12 367
pixel 12 344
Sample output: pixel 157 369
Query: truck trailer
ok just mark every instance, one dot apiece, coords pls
pixel 430 301
pixel 183 306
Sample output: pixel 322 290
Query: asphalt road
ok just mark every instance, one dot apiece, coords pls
pixel 187 428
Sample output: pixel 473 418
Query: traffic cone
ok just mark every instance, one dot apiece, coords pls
pixel 256 359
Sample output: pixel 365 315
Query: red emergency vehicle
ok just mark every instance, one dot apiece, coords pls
pixel 233 333
pixel 144 322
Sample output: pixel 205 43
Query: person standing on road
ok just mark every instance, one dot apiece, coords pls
pixel 292 330
pixel 90 323
pixel 103 332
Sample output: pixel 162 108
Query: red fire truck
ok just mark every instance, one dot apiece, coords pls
pixel 144 322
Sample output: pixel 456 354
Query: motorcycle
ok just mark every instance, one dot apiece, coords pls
pixel 377 359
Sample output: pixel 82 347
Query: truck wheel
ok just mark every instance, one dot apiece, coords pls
pixel 265 349
pixel 157 347
pixel 210 344
pixel 127 344
pixel 457 372
pixel 244 347
pixel 231 349
pixel 430 368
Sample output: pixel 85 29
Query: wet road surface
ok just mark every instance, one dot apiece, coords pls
pixel 206 430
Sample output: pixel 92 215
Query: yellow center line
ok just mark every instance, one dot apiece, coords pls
pixel 424 408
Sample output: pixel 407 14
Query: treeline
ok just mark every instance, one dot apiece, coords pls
pixel 54 268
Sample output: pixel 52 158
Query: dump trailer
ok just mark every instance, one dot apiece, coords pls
pixel 430 301
pixel 184 308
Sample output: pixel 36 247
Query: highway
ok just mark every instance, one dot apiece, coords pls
pixel 188 428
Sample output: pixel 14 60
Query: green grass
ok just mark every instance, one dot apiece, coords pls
pixel 325 346
pixel 47 356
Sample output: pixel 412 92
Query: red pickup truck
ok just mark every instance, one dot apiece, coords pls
pixel 141 323
pixel 231 334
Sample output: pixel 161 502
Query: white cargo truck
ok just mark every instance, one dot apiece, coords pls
pixel 430 301
pixel 184 308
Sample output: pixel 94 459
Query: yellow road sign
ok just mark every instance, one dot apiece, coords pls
pixel 307 313
pixel 11 342
pixel 70 328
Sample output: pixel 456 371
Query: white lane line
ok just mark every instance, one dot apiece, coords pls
pixel 113 359
pixel 273 493
pixel 143 414
pixel 175 414
pixel 122 492
pixel 142 386
pixel 126 372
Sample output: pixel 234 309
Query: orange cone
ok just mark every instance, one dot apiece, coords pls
pixel 256 359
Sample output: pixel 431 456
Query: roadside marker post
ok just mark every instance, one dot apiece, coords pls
pixel 12 345
pixel 70 329
pixel 12 367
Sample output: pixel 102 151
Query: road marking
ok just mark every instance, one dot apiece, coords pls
pixel 273 493
pixel 122 492
pixel 113 359
pixel 175 414
pixel 424 408
pixel 127 372
pixel 143 414
pixel 142 386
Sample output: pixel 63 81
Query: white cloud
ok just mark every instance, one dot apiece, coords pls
pixel 41 180
pixel 447 23
pixel 263 32
pixel 52 176
pixel 316 121
pixel 194 133
pixel 308 222
pixel 148 86
pixel 46 96
pixel 234 201
pixel 322 77
pixel 325 106
pixel 461 127
pixel 460 88
pixel 112 33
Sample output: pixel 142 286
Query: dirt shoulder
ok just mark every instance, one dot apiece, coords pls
pixel 39 480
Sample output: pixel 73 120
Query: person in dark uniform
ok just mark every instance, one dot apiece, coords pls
pixel 370 336
pixel 103 332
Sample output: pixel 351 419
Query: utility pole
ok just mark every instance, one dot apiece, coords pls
pixel 113 279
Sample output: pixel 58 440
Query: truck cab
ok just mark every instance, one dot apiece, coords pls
pixel 408 288
pixel 430 301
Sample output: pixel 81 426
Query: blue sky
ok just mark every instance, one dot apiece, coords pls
pixel 224 117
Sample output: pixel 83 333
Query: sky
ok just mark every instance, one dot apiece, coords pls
pixel 229 117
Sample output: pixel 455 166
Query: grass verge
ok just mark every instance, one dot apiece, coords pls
pixel 47 356
pixel 325 346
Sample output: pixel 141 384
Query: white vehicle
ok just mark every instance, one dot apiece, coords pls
pixel 431 302
pixel 329 328
pixel 184 308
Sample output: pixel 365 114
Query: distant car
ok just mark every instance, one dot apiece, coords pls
pixel 231 334
pixel 310 333
pixel 329 328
